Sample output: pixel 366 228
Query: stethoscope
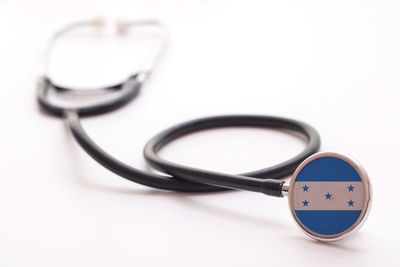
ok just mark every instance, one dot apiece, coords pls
pixel 329 193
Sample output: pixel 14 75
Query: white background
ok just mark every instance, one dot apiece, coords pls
pixel 333 64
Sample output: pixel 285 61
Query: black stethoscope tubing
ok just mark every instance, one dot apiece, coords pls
pixel 178 177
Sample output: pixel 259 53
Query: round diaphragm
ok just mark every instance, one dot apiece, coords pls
pixel 329 196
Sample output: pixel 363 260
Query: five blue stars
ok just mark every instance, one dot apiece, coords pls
pixel 328 196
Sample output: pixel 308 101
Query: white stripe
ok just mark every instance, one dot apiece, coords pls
pixel 317 199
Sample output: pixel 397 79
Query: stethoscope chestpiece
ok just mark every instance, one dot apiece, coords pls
pixel 329 196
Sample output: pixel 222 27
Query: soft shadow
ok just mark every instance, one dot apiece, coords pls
pixel 229 214
pixel 342 246
pixel 186 199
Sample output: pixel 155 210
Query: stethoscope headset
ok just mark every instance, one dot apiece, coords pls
pixel 329 193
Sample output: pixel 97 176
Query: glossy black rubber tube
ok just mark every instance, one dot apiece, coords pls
pixel 248 181
pixel 187 179
pixel 130 173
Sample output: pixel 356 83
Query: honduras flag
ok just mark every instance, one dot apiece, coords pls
pixel 328 195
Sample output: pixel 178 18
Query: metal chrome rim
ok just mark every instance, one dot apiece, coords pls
pixel 365 208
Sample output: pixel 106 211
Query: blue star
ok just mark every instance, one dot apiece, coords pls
pixel 305 203
pixel 351 203
pixel 351 188
pixel 305 188
pixel 328 196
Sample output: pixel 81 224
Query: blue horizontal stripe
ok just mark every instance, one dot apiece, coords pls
pixel 328 222
pixel 328 169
